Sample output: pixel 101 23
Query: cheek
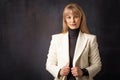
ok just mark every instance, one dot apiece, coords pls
pixel 78 21
pixel 67 22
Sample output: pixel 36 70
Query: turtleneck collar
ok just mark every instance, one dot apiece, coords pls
pixel 73 33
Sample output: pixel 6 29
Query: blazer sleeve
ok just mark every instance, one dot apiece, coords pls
pixel 51 63
pixel 94 58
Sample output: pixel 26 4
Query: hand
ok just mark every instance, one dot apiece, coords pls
pixel 76 71
pixel 65 70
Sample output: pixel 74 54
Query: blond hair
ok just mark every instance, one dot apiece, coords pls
pixel 76 9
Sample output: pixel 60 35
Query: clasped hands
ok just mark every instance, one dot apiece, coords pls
pixel 76 71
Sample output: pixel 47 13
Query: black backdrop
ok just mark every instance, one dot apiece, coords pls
pixel 26 27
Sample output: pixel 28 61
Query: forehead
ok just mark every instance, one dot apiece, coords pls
pixel 71 12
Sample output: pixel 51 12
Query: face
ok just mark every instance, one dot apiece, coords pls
pixel 72 20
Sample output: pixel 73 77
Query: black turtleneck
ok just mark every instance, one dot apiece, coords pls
pixel 73 34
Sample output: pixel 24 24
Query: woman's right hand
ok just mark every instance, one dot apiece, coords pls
pixel 65 70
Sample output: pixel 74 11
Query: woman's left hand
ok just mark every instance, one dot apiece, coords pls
pixel 76 71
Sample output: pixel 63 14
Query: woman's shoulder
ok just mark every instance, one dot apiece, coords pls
pixel 89 35
pixel 58 35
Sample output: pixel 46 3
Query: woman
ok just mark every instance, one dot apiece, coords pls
pixel 73 54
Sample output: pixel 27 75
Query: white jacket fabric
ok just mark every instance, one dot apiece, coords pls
pixel 86 55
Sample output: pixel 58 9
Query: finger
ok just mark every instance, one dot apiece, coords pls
pixel 67 66
pixel 73 69
pixel 75 74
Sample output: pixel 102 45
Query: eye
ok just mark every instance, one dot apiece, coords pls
pixel 76 16
pixel 68 17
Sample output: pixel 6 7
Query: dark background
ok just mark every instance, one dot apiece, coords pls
pixel 26 27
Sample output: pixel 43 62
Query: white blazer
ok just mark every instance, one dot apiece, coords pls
pixel 86 55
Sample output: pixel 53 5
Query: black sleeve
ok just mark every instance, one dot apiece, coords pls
pixel 85 72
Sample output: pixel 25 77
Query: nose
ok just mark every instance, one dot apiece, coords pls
pixel 72 19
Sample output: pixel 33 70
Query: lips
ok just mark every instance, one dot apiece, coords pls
pixel 73 24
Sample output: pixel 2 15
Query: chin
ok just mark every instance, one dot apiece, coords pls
pixel 74 28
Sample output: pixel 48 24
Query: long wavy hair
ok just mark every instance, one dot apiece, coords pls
pixel 76 9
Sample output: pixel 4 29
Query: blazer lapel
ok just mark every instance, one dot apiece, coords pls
pixel 65 48
pixel 80 45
